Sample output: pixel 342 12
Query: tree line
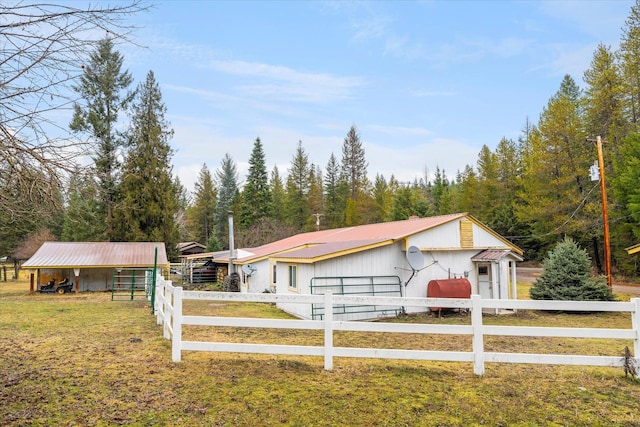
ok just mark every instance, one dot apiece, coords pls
pixel 534 190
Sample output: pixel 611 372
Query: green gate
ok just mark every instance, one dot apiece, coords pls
pixel 132 284
pixel 390 286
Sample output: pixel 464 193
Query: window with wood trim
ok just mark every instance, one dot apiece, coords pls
pixel 466 234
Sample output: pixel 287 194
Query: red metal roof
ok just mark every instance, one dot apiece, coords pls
pixel 494 255
pixel 322 243
pixel 97 254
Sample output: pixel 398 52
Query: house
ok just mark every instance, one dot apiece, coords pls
pixel 95 266
pixel 190 248
pixel 633 249
pixel 372 259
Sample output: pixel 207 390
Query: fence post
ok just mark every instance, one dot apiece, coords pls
pixel 159 301
pixel 478 338
pixel 635 325
pixel 168 310
pixel 328 330
pixel 176 339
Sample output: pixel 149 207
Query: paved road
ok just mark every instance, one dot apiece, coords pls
pixel 529 274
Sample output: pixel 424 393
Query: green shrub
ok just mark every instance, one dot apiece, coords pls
pixel 566 275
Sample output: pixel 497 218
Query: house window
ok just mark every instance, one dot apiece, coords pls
pixel 293 277
pixel 273 274
pixel 483 270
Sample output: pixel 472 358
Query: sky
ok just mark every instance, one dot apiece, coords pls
pixel 426 83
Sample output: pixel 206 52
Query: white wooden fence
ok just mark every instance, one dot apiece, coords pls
pixel 168 308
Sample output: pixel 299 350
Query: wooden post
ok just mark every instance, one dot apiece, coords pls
pixel 605 216
pixel 31 282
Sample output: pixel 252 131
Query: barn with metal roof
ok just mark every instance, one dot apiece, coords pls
pixel 94 266
pixel 372 259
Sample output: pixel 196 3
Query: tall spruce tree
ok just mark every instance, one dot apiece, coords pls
pixel 256 195
pixel 297 211
pixel 201 213
pixel 103 93
pixel 354 172
pixel 335 190
pixel 148 196
pixel 227 179
pixel 276 186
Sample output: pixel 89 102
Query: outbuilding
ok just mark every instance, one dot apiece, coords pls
pixel 394 258
pixel 95 266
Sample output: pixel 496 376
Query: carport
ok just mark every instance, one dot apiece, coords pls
pixel 93 266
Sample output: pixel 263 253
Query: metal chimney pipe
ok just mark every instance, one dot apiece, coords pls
pixel 231 244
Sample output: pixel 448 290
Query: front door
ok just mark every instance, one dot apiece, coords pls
pixel 485 286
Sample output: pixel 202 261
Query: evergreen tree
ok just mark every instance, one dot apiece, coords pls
pixel 201 214
pixel 227 178
pixel 629 54
pixel 316 199
pixel 297 210
pixel 604 99
pixel 440 192
pixel 102 89
pixel 335 189
pixel 509 169
pixel 468 190
pixel 566 276
pixel 556 196
pixel 383 199
pixel 256 196
pixel 354 172
pixel 81 220
pixel 489 188
pixel 149 198
pixel 276 187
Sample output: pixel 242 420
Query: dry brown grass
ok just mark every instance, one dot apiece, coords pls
pixel 85 360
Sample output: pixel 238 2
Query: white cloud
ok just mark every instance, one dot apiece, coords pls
pixel 297 85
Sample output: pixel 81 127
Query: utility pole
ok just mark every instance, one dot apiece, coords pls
pixel 318 215
pixel 605 215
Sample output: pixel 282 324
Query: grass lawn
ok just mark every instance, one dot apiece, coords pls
pixel 85 360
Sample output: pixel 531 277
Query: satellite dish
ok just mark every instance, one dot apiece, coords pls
pixel 415 258
pixel 249 269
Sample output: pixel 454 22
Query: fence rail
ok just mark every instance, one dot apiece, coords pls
pixel 169 301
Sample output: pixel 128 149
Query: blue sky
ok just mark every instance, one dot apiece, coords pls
pixel 427 83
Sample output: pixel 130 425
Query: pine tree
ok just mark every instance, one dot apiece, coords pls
pixel 102 89
pixel 148 197
pixel 276 187
pixel 316 198
pixel 354 172
pixel 383 199
pixel 555 195
pixel 604 100
pixel 335 189
pixel 81 220
pixel 227 178
pixel 566 276
pixel 297 190
pixel 629 55
pixel 256 196
pixel 201 214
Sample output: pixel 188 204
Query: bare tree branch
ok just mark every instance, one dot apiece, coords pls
pixel 42 50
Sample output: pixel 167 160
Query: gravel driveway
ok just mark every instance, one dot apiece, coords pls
pixel 529 274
